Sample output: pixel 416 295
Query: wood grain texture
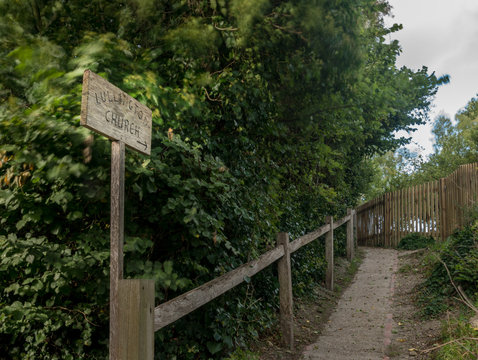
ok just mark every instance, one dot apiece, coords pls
pixel 285 292
pixel 135 332
pixel 111 112
pixel 308 238
pixel 442 209
pixel 176 308
pixel 116 239
pixel 329 255
pixel 350 235
pixel 355 219
pixel 389 217
pixel 341 221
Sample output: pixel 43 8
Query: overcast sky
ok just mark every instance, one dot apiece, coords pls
pixel 442 35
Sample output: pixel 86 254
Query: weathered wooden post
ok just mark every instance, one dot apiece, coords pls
pixel 329 254
pixel 116 240
pixel 355 235
pixel 111 112
pixel 136 333
pixel 285 292
pixel 443 213
pixel 388 221
pixel 350 235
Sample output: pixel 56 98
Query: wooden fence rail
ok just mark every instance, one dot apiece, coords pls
pixel 435 208
pixel 174 309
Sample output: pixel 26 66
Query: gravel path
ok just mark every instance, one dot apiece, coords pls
pixel 360 328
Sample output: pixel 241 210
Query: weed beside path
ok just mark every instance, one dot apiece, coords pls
pixel 412 333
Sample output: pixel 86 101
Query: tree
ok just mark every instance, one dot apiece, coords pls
pixel 455 145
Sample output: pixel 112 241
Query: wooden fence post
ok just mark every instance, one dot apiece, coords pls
pixel 350 235
pixel 329 254
pixel 116 239
pixel 285 292
pixel 136 310
pixel 355 235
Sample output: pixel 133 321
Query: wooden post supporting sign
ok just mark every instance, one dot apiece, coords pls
pixel 111 112
pixel 116 240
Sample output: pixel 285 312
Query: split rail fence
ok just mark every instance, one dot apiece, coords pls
pixel 436 208
pixel 139 321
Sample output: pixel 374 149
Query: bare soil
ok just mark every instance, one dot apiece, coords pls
pixel 412 334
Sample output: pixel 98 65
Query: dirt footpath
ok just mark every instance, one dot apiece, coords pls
pixel 360 328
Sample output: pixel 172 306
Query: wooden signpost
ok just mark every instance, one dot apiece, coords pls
pixel 111 112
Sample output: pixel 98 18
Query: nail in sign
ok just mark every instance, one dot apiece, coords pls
pixel 111 112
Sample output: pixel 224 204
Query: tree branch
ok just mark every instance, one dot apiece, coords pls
pixel 225 29
pixel 71 311
pixel 211 99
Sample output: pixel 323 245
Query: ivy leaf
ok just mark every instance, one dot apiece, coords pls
pixel 214 347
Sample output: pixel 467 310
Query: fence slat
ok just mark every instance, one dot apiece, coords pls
pixel 182 305
pixel 399 218
pixel 341 221
pixel 430 207
pixel 418 209
pixel 422 208
pixel 285 292
pixel 437 208
pixel 389 218
pixel 415 207
pixel 305 239
pixel 409 210
pixel 350 235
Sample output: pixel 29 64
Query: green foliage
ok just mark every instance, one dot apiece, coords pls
pixel 54 298
pixel 460 255
pixel 264 116
pixel 459 341
pixel 392 171
pixel 241 354
pixel 455 144
pixel 415 241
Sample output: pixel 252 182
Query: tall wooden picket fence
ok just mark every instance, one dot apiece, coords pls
pixel 435 208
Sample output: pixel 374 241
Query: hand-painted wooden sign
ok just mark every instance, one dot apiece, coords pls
pixel 111 112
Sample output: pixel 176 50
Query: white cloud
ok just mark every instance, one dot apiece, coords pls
pixel 442 35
